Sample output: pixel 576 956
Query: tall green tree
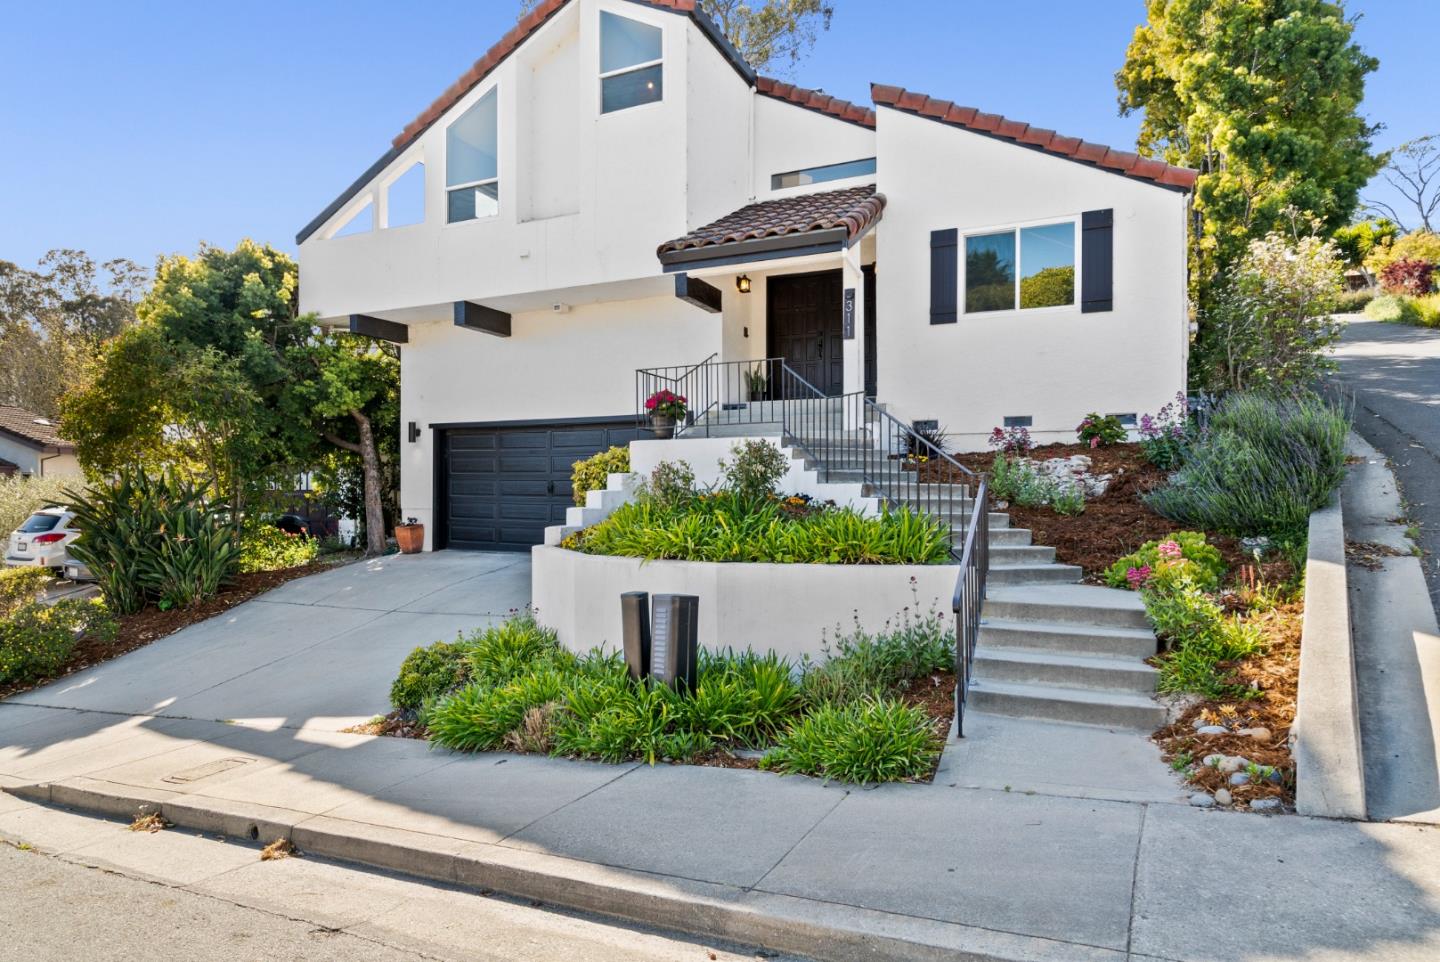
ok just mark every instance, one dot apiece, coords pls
pixel 770 34
pixel 54 320
pixel 222 379
pixel 1262 97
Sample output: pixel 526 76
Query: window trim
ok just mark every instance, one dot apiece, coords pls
pixel 1015 228
pixel 445 184
pixel 632 68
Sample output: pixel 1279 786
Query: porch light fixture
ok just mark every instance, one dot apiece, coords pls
pixel 742 283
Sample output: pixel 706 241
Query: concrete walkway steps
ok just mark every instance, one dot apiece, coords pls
pixel 1071 653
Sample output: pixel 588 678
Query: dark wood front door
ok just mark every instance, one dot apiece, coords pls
pixel 802 323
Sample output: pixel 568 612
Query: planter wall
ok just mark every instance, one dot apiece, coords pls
pixel 786 608
pixel 704 454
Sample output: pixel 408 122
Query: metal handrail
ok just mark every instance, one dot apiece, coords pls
pixel 969 598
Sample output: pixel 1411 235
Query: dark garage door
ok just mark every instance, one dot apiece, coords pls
pixel 500 486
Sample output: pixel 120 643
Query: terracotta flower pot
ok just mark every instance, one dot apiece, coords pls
pixel 410 538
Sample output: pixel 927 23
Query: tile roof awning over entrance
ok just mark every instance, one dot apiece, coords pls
pixel 786 227
pixel 1124 162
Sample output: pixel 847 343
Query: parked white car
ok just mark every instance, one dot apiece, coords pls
pixel 43 540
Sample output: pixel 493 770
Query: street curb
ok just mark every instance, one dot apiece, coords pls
pixel 825 931
pixel 1329 766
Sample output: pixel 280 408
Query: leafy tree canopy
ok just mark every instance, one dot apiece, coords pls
pixel 1356 241
pixel 1260 96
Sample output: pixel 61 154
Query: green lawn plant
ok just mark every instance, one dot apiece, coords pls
pixel 264 547
pixel 1265 464
pixel 1101 430
pixel 154 538
pixel 1202 641
pixel 513 686
pixel 1209 567
pixel 593 473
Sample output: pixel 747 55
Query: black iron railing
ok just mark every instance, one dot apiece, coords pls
pixel 848 438
pixel 970 598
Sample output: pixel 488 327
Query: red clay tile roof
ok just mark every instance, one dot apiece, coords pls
pixel 1071 148
pixel 854 208
pixel 815 100
pixel 28 426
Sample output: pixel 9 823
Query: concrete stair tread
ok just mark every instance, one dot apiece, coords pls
pixel 1072 596
pixel 1067 628
pixel 1062 658
pixel 1033 574
pixel 1079 696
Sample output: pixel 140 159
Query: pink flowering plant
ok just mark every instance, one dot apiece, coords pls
pixel 666 404
pixel 1099 430
pixel 1180 554
pixel 1164 434
pixel 1015 440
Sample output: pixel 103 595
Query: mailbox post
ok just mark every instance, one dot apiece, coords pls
pixel 674 640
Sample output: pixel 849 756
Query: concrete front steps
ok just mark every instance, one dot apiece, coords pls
pixel 1065 652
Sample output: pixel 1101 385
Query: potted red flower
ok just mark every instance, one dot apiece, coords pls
pixel 666 408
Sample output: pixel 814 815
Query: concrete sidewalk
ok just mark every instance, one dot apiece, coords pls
pixel 900 871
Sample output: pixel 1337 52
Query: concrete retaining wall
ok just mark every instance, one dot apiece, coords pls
pixel 787 608
pixel 1329 767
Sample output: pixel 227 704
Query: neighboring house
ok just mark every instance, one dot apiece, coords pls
pixel 611 187
pixel 31 446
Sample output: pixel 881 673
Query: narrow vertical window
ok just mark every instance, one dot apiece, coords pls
pixel 472 167
pixel 990 272
pixel 631 71
pixel 1047 265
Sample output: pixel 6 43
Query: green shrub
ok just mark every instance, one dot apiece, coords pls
pixel 427 673
pixel 1099 430
pixel 19 586
pixel 593 473
pixel 871 740
pixel 1264 466
pixel 1352 302
pixel 36 639
pixel 725 526
pixel 862 664
pixel 671 485
pixel 1210 567
pixel 264 547
pixel 502 652
pixel 1020 482
pixel 1427 310
pixel 754 469
pixel 154 538
pixel 1393 309
pixel 1201 639
pixel 22 496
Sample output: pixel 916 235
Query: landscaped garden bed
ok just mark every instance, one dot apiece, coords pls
pixel 876 709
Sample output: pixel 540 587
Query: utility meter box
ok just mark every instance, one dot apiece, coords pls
pixel 635 630
pixel 674 640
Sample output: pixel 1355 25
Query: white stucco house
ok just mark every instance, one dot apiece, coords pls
pixel 30 445
pixel 612 188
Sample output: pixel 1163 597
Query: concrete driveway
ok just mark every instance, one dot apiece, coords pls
pixel 318 652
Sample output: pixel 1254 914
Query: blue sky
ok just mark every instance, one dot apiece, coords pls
pixel 139 129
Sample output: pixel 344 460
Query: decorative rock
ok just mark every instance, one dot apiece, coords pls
pixel 1201 800
pixel 1261 805
pixel 1212 730
pixel 1199 722
pixel 1232 763
pixel 1074 470
pixel 1259 734
pixel 1222 797
pixel 1274 778
pixel 1240 778
pixel 1213 761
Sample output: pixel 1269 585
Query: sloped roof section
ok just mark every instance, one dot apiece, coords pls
pixel 31 428
pixel 1124 162
pixel 853 209
pixel 815 100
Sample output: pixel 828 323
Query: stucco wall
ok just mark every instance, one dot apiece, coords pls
pixel 31 461
pixel 789 137
pixel 1054 364
pixel 788 609
pixel 579 364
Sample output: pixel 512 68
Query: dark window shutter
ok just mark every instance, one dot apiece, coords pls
pixel 1097 261
pixel 944 275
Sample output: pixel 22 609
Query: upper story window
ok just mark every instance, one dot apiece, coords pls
pixel 1041 257
pixel 631 69
pixel 818 175
pixel 472 167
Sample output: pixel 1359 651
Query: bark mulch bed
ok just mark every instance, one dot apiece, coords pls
pixel 152 624
pixel 1274 675
pixel 1112 525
